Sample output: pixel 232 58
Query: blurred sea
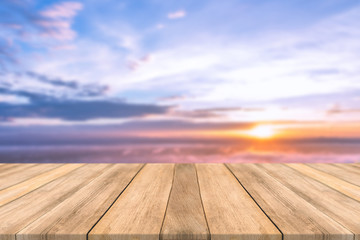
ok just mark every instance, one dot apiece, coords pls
pixel 263 152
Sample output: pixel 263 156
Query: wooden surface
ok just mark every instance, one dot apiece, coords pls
pixel 292 214
pixel 17 190
pixel 140 210
pixel 345 172
pixel 230 211
pixel 339 207
pixel 336 183
pixel 81 211
pixel 185 217
pixel 179 201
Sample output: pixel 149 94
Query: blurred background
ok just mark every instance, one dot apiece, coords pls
pixel 179 81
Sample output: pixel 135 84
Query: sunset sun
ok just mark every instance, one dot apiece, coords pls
pixel 261 131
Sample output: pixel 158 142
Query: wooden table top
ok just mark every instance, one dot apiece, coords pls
pixel 179 201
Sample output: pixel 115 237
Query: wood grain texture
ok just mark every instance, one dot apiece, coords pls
pixel 185 218
pixel 345 172
pixel 8 169
pixel 78 214
pixel 356 165
pixel 11 193
pixel 295 217
pixel 6 166
pixel 22 172
pixel 139 211
pixel 21 212
pixel 351 167
pixel 339 207
pixel 230 211
pixel 163 201
pixel 340 185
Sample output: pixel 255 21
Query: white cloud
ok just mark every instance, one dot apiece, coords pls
pixel 160 26
pixel 177 14
pixel 128 41
pixel 13 99
pixel 123 35
pixel 321 59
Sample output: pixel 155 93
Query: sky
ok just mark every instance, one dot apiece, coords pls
pixel 180 69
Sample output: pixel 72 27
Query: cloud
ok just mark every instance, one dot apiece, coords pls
pixel 245 71
pixel 42 106
pixel 13 99
pixel 195 114
pixel 27 24
pixel 60 30
pixel 6 56
pixel 232 109
pixel 217 61
pixel 338 109
pixel 23 27
pixel 172 98
pixel 136 64
pixel 218 112
pixel 177 14
pixel 54 82
pixel 62 10
pixel 326 71
pixel 57 20
pixel 167 125
pixel 160 26
pixel 51 86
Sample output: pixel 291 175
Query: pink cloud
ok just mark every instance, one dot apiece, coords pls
pixel 146 58
pixel 63 10
pixel 135 64
pixel 132 65
pixel 54 24
pixel 60 34
pixel 64 47
pixel 58 20
pixel 177 14
pixel 172 98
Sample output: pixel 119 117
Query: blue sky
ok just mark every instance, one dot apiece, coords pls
pixel 114 61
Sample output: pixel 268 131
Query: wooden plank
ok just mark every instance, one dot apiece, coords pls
pixel 351 167
pixel 356 164
pixel 5 166
pixel 343 171
pixel 342 186
pixel 230 211
pixel 73 218
pixel 23 172
pixel 139 211
pixel 185 218
pixel 23 211
pixel 11 193
pixel 339 207
pixel 295 217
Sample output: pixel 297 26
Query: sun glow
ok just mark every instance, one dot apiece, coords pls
pixel 261 131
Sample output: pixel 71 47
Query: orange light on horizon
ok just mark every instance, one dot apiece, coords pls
pixel 261 132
